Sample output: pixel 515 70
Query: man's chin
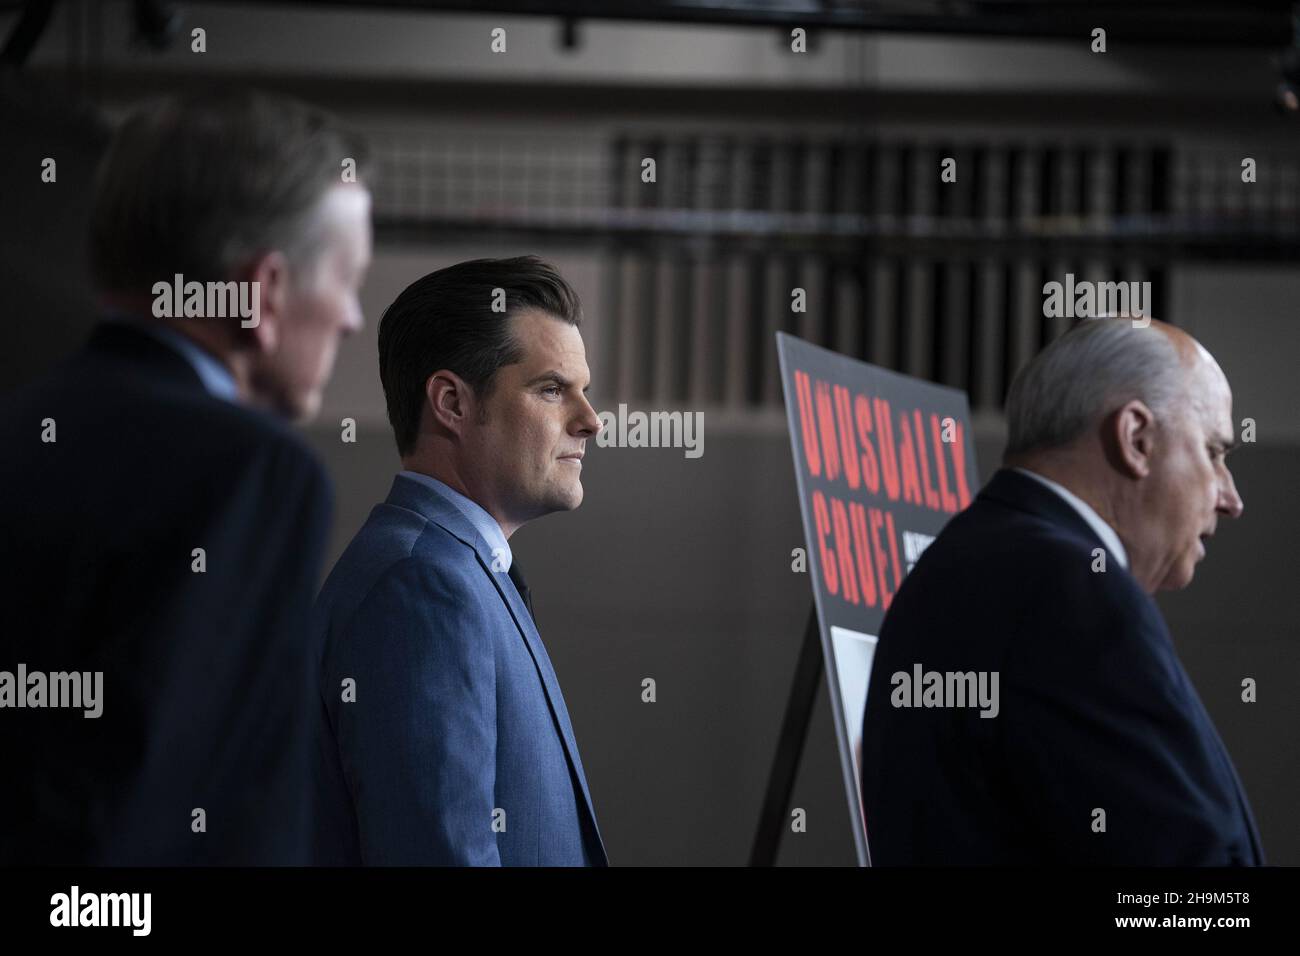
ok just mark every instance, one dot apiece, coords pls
pixel 574 499
pixel 1179 577
pixel 557 498
pixel 302 409
pixel 569 499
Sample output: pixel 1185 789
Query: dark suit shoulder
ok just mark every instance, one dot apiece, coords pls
pixel 150 460
pixel 993 541
pixel 1013 578
pixel 95 398
pixel 1068 605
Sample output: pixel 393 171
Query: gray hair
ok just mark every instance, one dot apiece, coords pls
pixel 1088 372
pixel 201 183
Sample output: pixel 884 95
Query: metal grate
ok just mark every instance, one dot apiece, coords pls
pixel 940 280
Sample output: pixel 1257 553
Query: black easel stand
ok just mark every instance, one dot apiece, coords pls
pixel 794 731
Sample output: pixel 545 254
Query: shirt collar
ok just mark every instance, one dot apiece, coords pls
pixel 483 522
pixel 216 378
pixel 1104 531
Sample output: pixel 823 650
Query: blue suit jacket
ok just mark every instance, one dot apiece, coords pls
pixel 458 747
pixel 1095 709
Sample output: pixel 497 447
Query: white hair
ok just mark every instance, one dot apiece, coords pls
pixel 1084 375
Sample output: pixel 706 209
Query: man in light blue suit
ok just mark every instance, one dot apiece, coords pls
pixel 444 738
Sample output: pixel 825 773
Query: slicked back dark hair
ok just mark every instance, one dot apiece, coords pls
pixel 445 320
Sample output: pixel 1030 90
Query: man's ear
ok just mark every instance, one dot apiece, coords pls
pixel 448 400
pixel 270 270
pixel 1129 437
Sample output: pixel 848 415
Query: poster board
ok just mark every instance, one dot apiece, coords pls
pixel 882 461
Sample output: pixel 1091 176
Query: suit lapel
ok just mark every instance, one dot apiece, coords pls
pixel 426 500
pixel 550 683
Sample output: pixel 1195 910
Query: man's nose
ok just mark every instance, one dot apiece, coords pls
pixel 1230 502
pixel 355 321
pixel 588 423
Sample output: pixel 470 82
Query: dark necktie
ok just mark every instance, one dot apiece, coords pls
pixel 517 576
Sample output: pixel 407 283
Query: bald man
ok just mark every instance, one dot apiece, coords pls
pixel 1098 749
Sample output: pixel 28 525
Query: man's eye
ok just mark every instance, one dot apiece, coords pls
pixel 552 390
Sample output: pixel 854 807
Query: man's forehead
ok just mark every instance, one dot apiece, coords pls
pixel 549 342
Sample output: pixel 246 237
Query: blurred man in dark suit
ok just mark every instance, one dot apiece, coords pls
pixel 1101 751
pixel 163 526
pixel 444 735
